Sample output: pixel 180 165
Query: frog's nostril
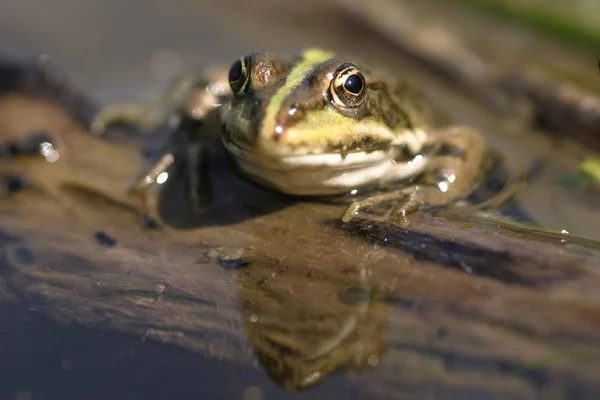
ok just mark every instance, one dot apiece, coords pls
pixel 288 116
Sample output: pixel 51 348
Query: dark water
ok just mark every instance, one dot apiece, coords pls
pixel 43 359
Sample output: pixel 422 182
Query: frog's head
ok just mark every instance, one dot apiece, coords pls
pixel 315 103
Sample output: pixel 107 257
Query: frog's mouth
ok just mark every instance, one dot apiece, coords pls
pixel 289 157
pixel 299 172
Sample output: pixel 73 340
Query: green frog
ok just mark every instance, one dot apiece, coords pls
pixel 317 124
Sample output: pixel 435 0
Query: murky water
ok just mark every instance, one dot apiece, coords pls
pixel 259 295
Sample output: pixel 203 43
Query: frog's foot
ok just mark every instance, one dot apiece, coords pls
pixel 452 174
pixel 420 195
pixel 404 201
pixel 138 115
pixel 369 202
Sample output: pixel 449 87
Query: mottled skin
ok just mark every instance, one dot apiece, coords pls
pixel 316 124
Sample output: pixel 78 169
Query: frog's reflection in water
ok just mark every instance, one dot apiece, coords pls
pixel 305 322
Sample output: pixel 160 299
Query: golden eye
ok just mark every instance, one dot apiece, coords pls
pixel 239 76
pixel 348 87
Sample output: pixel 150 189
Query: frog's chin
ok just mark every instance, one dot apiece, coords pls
pixel 285 157
pixel 325 173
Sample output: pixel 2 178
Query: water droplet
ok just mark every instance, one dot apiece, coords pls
pixel 48 151
pixel 162 178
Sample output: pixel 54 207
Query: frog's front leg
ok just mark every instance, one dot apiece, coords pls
pixel 194 99
pixel 452 172
pixel 455 169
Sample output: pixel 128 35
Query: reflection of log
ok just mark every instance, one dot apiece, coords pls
pixel 460 306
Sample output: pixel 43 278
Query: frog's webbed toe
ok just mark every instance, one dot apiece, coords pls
pixel 401 203
pixel 394 196
pixel 420 196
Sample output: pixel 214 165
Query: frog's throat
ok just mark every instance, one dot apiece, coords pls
pixel 326 173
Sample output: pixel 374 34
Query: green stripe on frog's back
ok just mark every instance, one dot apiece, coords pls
pixel 310 59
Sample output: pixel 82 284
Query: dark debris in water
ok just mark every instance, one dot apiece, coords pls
pixel 23 255
pixel 16 256
pixel 148 223
pixel 227 258
pixel 29 145
pixel 14 183
pixel 104 239
pixel 441 332
pixel 238 263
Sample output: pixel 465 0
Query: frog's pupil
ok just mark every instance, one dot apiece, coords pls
pixel 354 84
pixel 235 72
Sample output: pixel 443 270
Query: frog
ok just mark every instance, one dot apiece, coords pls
pixel 317 124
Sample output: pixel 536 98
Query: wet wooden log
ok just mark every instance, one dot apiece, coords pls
pixel 452 304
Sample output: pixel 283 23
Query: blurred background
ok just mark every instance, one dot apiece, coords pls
pixel 120 49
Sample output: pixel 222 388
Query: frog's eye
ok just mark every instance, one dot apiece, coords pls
pixel 348 87
pixel 239 76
